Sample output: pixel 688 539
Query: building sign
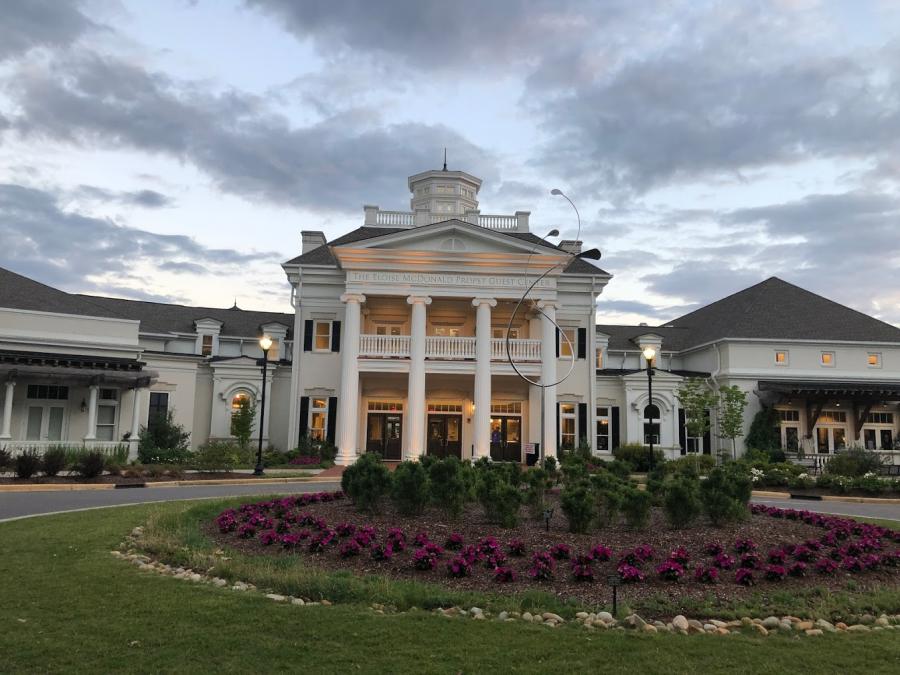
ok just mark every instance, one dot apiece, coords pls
pixel 530 448
pixel 446 279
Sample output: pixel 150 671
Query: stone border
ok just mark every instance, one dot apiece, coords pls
pixel 66 487
pixel 589 621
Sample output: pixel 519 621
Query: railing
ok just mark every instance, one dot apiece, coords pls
pixel 441 217
pixel 384 346
pixel 521 350
pixel 395 218
pixel 498 222
pixel 441 347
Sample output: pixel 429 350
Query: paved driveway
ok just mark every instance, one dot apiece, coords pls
pixel 889 511
pixel 19 504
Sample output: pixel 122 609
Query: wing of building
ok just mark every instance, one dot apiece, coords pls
pixel 412 338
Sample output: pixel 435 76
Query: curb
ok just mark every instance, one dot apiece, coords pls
pixel 71 487
pixel 887 501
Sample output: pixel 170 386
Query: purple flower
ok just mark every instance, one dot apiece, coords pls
pixel 561 551
pixel 804 553
pixel 744 545
pixel 246 531
pixel 226 522
pixel 777 556
pixel 345 529
pixel 504 575
pixel 268 537
pixel 349 548
pixel 396 538
pixel 454 542
pixel 751 561
pixel 542 565
pixel 798 569
pixel 826 566
pixel 724 561
pixel 775 572
pixel 630 574
pixel 488 546
pixel 382 552
pixel 852 564
pixel 582 568
pixel 680 555
pixel 420 539
pixel 601 553
pixel 424 560
pixel 714 548
pixel 471 554
pixel 495 560
pixel 744 577
pixel 321 541
pixel 290 540
pixel 644 552
pixel 670 570
pixel 433 549
pixel 706 575
pixel 458 567
pixel 516 547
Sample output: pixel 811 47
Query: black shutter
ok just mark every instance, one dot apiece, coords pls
pixel 582 343
pixel 332 416
pixel 614 414
pixel 304 416
pixel 682 435
pixel 582 421
pixel 558 338
pixel 557 429
pixel 707 437
pixel 335 336
pixel 307 335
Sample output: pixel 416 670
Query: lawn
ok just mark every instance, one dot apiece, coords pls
pixel 67 605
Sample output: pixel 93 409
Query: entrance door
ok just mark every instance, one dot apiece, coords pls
pixel 506 439
pixel 887 440
pixel 790 438
pixel 829 439
pixel 44 423
pixel 445 435
pixel 384 435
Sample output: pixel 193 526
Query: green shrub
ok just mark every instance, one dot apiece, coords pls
pixel 693 465
pixel 450 484
pixel 217 456
pixel 577 503
pixel 682 501
pixel 802 482
pixel 54 461
pixel 538 482
pixel 638 456
pixel 725 494
pixel 616 467
pixel 765 430
pixel 574 469
pixel 164 441
pixel 366 481
pixel 636 508
pixel 90 464
pixel 506 500
pixel 5 459
pixel 409 489
pixel 487 487
pixel 854 462
pixel 609 503
pixel 871 484
pixel 27 463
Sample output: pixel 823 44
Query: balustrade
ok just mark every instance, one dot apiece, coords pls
pixel 445 347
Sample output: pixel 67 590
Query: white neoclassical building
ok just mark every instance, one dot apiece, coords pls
pixel 401 349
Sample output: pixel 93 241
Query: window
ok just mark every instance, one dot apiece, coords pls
pixel 500 333
pixel 603 428
pixel 445 407
pixel 873 360
pixel 599 358
pixel 651 424
pixel 387 330
pixel 159 406
pixel 109 394
pixel 568 431
pixel 781 358
pixel 318 418
pixel 789 415
pixel 106 422
pixel 566 347
pixel 445 331
pixel 322 336
pixel 48 391
pixel 508 408
pixel 832 417
pixel 239 400
pixel 827 359
pixel 880 418
pixel 385 406
pixel 206 345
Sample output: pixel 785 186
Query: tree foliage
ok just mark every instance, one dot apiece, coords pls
pixel 730 414
pixel 696 398
pixel 242 421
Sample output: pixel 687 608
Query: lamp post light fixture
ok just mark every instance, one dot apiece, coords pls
pixel 649 354
pixel 265 343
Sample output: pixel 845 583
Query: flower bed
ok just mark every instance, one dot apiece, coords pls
pixel 775 548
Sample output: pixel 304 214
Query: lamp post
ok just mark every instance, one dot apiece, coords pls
pixel 265 343
pixel 649 354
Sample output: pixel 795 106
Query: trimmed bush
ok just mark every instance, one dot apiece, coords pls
pixel 27 464
pixel 217 456
pixel 682 501
pixel 636 508
pixel 409 490
pixel 54 461
pixel 90 464
pixel 725 494
pixel 855 462
pixel 449 485
pixel 499 498
pixel 5 458
pixel 638 456
pixel 577 503
pixel 538 482
pixel 366 481
pixel 164 441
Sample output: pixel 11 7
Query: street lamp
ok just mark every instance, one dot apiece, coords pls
pixel 649 354
pixel 265 343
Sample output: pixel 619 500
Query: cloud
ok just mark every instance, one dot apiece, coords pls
pixel 28 24
pixel 149 199
pixel 248 150
pixel 40 240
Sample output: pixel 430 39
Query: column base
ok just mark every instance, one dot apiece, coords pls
pixel 345 459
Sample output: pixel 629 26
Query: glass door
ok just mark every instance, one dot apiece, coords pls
pixel 384 435
pixel 44 423
pixel 445 435
pixel 506 439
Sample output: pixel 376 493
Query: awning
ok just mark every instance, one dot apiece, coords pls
pixel 833 389
pixel 86 368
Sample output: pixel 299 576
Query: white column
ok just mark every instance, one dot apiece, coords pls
pixel 414 443
pixel 133 440
pixel 483 376
pixel 548 374
pixel 348 403
pixel 92 413
pixel 294 409
pixel 6 428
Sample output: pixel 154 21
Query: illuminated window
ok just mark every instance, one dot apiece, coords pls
pixel 827 359
pixel 781 358
pixel 874 360
pixel 500 333
pixel 567 346
pixel 239 400
pixel 318 418
pixel 568 423
pixel 508 408
pixel 206 345
pixel 599 358
pixel 387 330
pixel 445 331
pixel 322 336
pixel 603 428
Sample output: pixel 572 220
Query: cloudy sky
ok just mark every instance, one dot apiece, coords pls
pixel 174 149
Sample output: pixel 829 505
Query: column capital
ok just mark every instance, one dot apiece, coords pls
pixel 548 304
pixel 358 298
pixel 484 301
pixel 418 300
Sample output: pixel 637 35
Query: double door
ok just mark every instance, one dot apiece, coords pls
pixel 829 439
pixel 506 439
pixel 45 423
pixel 384 435
pixel 445 435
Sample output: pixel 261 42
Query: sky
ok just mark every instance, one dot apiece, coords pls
pixel 174 150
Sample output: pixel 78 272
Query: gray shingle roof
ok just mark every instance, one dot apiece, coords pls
pixel 323 255
pixel 772 309
pixel 20 292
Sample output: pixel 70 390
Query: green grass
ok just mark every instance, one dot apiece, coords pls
pixel 66 605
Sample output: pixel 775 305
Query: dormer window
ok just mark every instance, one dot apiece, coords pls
pixel 873 360
pixel 206 345
pixel 207 341
pixel 827 359
pixel 781 358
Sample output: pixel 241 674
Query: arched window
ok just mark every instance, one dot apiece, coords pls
pixel 651 412
pixel 651 424
pixel 239 400
pixel 240 424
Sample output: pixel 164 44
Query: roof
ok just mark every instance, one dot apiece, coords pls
pixel 20 292
pixel 323 255
pixel 772 309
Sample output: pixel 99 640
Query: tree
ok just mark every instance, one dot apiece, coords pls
pixel 730 413
pixel 696 398
pixel 242 421
pixel 765 433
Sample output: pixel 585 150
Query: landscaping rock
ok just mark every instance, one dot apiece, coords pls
pixel 526 616
pixel 759 628
pixel 297 601
pixel 582 615
pixel 722 631
pixel 840 625
pixel 502 616
pixel 326 603
pixel 823 625
pixel 552 617
pixel 858 628
pixel 771 622
pixel 649 628
pixel 634 621
pixel 718 624
pixel 805 625
pixel 275 597
pixel 882 621
pixel 680 622
pixel 786 626
pixel 867 619
pixel 606 617
pixel 709 628
pixel 814 631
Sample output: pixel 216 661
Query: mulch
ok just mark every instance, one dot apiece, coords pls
pixel 767 532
